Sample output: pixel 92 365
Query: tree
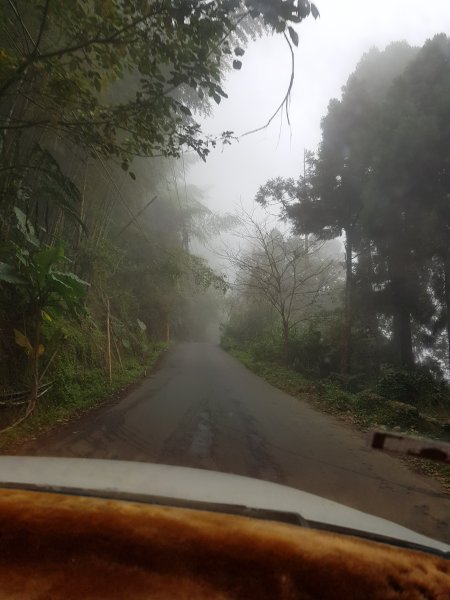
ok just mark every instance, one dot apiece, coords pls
pixel 63 64
pixel 329 199
pixel 288 273
pixel 408 214
pixel 89 92
pixel 40 291
pixel 325 201
pixel 97 84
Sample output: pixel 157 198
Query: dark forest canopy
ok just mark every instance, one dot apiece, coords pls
pixel 112 77
pixel 381 180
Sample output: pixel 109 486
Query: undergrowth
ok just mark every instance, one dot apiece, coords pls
pixel 78 387
pixel 366 409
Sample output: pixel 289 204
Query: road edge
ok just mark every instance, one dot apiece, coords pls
pixel 24 437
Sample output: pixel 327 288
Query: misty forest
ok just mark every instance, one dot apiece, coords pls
pixel 334 286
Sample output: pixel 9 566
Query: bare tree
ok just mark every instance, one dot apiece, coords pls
pixel 288 272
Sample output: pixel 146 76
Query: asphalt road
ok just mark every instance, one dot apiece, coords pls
pixel 202 408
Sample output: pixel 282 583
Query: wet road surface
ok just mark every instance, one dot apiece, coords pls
pixel 202 408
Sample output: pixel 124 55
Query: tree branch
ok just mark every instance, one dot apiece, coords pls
pixel 285 99
pixel 41 28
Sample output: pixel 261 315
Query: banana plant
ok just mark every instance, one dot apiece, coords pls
pixel 43 290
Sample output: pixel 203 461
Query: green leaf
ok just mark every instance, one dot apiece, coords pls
pixel 59 287
pixel 53 186
pixel 69 285
pixel 54 309
pixel 185 110
pixel 22 341
pixel 48 257
pixel 25 227
pixel 314 11
pixel 293 35
pixel 77 280
pixel 142 325
pixel 9 274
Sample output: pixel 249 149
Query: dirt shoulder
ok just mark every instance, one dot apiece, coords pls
pixel 53 420
pixel 361 411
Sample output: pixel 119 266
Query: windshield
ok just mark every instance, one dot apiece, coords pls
pixel 225 242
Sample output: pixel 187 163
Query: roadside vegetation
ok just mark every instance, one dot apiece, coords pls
pixel 76 389
pixel 344 298
pixel 99 109
pixel 373 407
pixel 365 409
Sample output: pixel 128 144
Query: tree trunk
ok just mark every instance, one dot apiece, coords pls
pixel 403 336
pixel 35 356
pixel 348 306
pixel 35 365
pixel 8 140
pixel 363 301
pixel 285 332
pixel 108 339
pixel 447 301
pixel 82 205
pixel 285 340
pixel 399 270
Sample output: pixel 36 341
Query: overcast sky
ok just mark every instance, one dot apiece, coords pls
pixel 328 52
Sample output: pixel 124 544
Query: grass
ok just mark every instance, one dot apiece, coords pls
pixel 77 390
pixel 364 409
pixel 431 469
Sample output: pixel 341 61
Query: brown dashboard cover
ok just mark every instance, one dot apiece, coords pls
pixel 56 546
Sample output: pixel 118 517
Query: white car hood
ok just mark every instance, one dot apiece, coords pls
pixel 144 480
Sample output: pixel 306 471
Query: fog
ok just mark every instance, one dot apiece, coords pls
pixel 101 140
pixel 309 255
pixel 329 50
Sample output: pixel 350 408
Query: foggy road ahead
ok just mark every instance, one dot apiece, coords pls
pixel 202 408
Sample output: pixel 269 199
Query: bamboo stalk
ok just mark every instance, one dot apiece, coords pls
pixel 108 338
pixel 82 204
pixel 117 351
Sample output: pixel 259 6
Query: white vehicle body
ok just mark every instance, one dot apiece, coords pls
pixel 166 484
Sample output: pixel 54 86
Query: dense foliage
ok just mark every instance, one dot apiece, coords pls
pixel 380 183
pixel 99 104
